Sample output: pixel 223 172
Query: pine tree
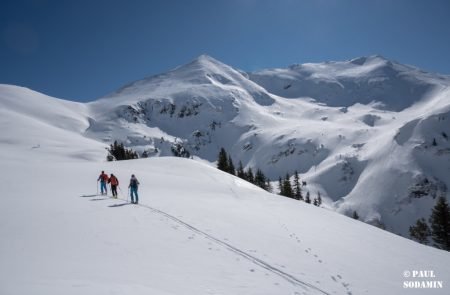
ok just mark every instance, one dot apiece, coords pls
pixel 240 171
pixel 130 154
pixel 121 153
pixel 319 199
pixel 440 224
pixel 434 142
pixel 144 154
pixel 249 175
pixel 297 187
pixel 260 179
pixel 355 215
pixel 231 168
pixel 222 162
pixel 420 231
pixel 287 187
pixel 315 202
pixel 178 150
pixel 308 198
pixel 118 152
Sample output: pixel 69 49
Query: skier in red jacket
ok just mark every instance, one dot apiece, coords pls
pixel 103 178
pixel 114 184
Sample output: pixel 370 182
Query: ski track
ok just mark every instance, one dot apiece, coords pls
pixel 286 276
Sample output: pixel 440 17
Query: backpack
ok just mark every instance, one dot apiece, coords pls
pixel 104 177
pixel 134 182
pixel 113 180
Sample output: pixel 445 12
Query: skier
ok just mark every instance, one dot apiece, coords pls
pixel 114 184
pixel 134 183
pixel 103 178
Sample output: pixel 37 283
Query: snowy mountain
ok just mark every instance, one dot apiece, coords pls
pixel 364 80
pixel 369 134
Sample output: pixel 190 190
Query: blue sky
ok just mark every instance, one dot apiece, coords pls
pixel 82 50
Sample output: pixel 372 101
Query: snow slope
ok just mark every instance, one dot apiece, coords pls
pixel 27 118
pixel 197 231
pixel 360 132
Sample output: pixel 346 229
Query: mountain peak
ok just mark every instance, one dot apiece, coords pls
pixel 205 59
pixel 366 59
pixel 201 64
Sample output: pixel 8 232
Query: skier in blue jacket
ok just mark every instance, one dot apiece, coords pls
pixel 134 184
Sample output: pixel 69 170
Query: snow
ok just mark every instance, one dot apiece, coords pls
pixel 344 83
pixel 197 231
pixel 200 231
pixel 27 118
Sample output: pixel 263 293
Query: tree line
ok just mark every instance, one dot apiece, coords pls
pixel 118 152
pixel 439 228
pixel 285 186
pixel 225 163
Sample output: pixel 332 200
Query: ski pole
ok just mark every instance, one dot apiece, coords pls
pixel 97 187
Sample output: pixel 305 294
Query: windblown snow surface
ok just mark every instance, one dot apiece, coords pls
pixel 198 230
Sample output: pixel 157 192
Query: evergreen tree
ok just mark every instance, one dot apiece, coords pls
pixel 118 152
pixel 315 202
pixel 130 154
pixel 122 152
pixel 319 199
pixel 178 150
pixel 434 142
pixel 231 168
pixel 222 162
pixel 297 187
pixel 440 224
pixel 249 175
pixel 240 171
pixel 260 179
pixel 287 187
pixel 308 198
pixel 144 154
pixel 355 215
pixel 420 232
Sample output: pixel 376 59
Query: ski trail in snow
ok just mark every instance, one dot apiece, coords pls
pixel 286 276
pixel 238 251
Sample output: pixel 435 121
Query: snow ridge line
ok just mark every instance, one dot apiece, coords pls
pixel 288 277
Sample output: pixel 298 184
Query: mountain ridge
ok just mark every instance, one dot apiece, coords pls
pixel 361 80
